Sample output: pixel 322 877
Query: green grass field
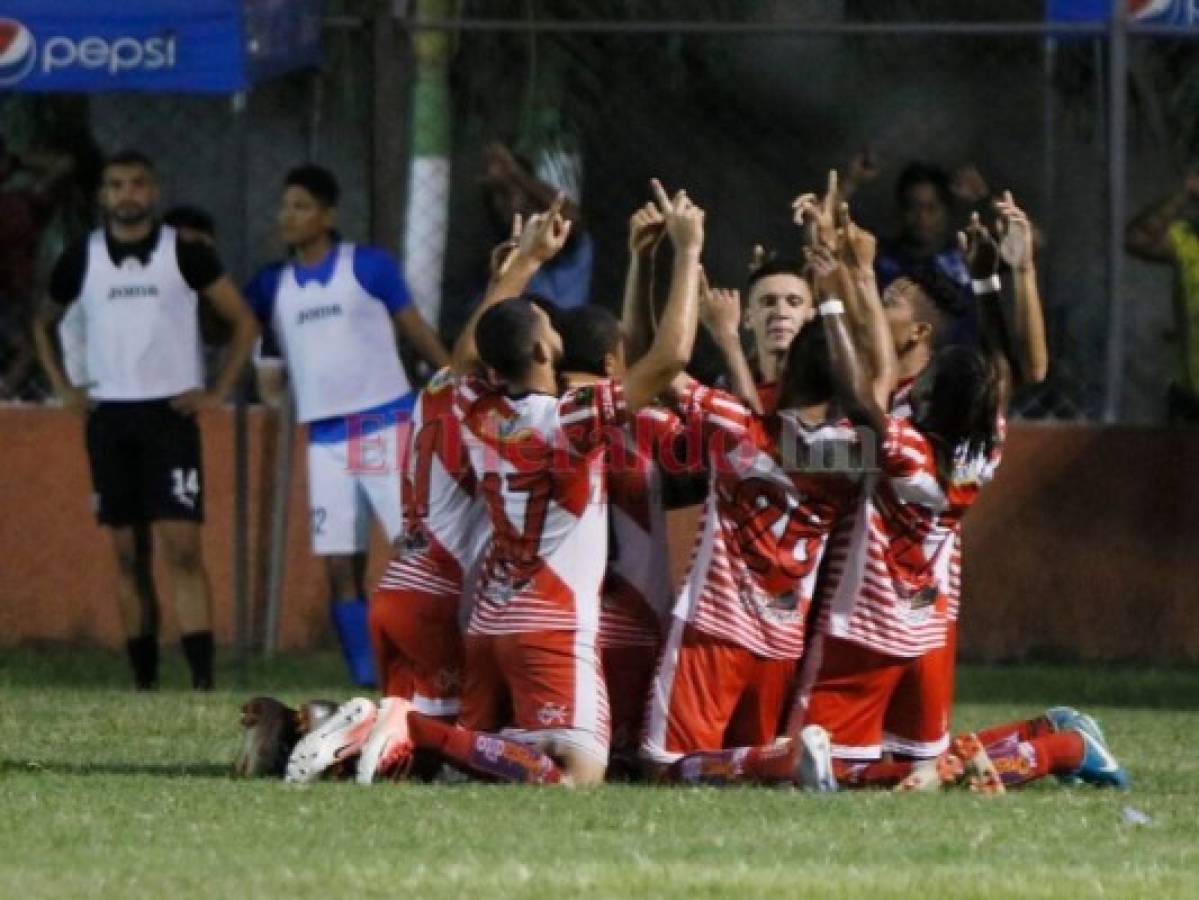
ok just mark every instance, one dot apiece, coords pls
pixel 104 792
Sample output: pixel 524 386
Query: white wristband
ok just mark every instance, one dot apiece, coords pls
pixel 831 307
pixel 986 285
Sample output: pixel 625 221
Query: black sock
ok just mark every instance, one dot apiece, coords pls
pixel 197 647
pixel 143 656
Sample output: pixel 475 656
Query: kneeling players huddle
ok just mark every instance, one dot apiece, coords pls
pixel 526 628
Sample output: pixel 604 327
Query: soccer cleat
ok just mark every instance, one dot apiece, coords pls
pixel 339 738
pixel 934 774
pixel 270 734
pixel 1065 718
pixel 313 714
pixel 387 752
pixel 814 768
pixel 980 773
pixel 1099 767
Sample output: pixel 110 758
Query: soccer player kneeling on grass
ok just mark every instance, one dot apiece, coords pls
pixel 531 656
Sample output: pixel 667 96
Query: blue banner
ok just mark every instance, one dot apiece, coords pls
pixel 1177 13
pixel 163 46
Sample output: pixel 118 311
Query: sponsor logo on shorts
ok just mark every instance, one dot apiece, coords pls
pixel 551 714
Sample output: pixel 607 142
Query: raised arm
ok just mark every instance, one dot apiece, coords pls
pixel 514 263
pixel 981 252
pixel 720 312
pixel 646 228
pixel 1147 235
pixel 864 306
pixel 1016 249
pixel 853 385
pixel 675 337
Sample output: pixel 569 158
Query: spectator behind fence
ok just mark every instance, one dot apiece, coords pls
pixel 330 312
pixel 1167 232
pixel 139 284
pixel 26 205
pixel 513 189
pixel 926 245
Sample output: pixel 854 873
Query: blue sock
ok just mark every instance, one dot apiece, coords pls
pixel 350 622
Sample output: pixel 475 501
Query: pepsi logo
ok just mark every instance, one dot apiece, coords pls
pixel 18 51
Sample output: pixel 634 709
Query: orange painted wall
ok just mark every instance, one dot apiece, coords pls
pixel 1087 545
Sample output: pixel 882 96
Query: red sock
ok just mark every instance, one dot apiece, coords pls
pixel 870 775
pixel 483 754
pixel 1060 753
pixel 771 764
pixel 1024 730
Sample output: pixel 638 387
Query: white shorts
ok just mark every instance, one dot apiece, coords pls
pixel 345 483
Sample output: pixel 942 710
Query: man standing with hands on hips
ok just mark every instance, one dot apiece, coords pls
pixel 138 286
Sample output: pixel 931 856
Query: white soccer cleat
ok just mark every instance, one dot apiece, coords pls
pixel 388 748
pixel 339 737
pixel 814 768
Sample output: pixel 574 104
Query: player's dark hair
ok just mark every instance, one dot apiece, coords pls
pixel 923 173
pixel 505 336
pixel 961 404
pixel 589 333
pixel 939 301
pixel 779 265
pixel 128 157
pixel 808 373
pixel 316 180
pixel 190 217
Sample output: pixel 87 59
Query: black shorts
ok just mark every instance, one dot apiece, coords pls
pixel 145 462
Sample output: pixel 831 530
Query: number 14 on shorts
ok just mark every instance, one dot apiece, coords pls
pixel 185 486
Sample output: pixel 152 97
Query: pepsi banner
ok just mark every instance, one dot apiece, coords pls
pixel 1183 14
pixel 163 46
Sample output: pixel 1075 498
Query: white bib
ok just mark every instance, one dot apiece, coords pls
pixel 339 343
pixel 143 335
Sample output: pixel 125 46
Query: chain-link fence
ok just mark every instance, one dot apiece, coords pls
pixel 746 104
pixel 225 155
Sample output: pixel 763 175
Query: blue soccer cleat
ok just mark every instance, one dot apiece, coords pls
pixel 1099 767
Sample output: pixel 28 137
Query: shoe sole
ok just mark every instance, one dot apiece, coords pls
pixel 816 760
pixel 335 741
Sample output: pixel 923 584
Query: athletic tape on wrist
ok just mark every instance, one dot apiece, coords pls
pixel 985 285
pixel 831 307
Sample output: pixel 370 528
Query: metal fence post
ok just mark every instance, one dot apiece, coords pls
pixel 1117 163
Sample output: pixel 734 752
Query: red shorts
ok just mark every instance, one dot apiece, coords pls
pixel 709 694
pixel 916 723
pixel 857 689
pixel 543 684
pixel 628 673
pixel 418 648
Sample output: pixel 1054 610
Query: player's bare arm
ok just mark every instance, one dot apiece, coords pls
pixel 49 355
pixel 646 229
pixel 675 338
pixel 228 303
pixel 1147 235
pixel 1016 247
pixel 864 306
pixel 720 312
pixel 420 334
pixel 981 251
pixel 514 263
pixel 854 387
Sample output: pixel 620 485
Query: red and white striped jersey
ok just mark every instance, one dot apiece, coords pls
pixel 446 527
pixel 901 405
pixel 893 566
pixel 637 591
pixel 540 462
pixel 765 522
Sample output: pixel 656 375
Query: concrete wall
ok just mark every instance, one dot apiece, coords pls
pixel 1085 546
